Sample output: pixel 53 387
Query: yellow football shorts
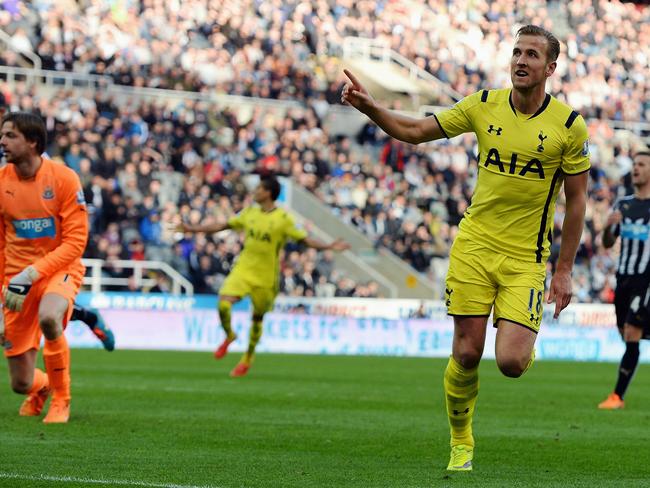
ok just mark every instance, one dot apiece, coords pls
pixel 236 285
pixel 479 278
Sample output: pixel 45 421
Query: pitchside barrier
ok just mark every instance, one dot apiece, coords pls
pixel 365 326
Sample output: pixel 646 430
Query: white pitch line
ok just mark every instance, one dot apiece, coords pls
pixel 73 479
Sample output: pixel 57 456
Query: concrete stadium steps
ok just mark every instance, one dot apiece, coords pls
pixel 390 83
pixel 363 262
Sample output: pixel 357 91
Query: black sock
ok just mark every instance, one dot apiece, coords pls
pixel 627 367
pixel 86 316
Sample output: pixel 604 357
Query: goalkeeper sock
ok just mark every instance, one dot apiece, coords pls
pixel 627 368
pixel 56 355
pixel 461 391
pixel 225 309
pixel 40 382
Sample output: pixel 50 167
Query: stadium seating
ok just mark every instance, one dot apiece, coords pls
pixel 146 166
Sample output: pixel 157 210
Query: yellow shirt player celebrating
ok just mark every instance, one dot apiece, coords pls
pixel 256 272
pixel 529 145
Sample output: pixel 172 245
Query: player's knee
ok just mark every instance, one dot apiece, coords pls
pixel 20 385
pixel 632 333
pixel 468 358
pixel 512 367
pixel 50 324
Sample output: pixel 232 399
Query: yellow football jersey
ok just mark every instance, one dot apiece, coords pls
pixel 522 162
pixel 265 235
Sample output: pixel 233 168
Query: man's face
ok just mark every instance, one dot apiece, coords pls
pixel 641 170
pixel 261 194
pixel 14 145
pixel 529 65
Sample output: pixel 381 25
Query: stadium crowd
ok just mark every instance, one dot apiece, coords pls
pixel 144 167
pixel 280 49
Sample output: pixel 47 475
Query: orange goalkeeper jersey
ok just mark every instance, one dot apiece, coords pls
pixel 43 221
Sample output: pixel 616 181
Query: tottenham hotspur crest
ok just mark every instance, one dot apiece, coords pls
pixel 541 138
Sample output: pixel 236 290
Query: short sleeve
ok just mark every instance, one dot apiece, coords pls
pixel 237 222
pixel 292 231
pixel 575 159
pixel 457 119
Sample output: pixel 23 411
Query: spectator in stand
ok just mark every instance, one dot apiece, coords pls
pixel 288 50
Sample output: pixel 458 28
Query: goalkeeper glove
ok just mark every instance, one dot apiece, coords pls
pixel 19 287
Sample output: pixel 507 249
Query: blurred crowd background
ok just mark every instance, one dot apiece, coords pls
pixel 146 165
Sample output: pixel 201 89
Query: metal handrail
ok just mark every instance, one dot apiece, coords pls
pixel 212 97
pixel 31 55
pixel 379 50
pixel 96 279
pixel 76 80
pixel 67 79
pixel 51 78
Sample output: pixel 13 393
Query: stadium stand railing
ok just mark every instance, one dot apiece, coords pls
pixel 97 277
pixel 31 56
pixel 54 79
pixel 376 50
pixel 64 79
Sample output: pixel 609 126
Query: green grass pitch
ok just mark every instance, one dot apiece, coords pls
pixel 163 419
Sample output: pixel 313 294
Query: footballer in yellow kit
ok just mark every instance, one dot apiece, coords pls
pixel 256 271
pixel 530 145
pixel 522 162
pixel 266 229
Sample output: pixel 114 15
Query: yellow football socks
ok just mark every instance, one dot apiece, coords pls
pixel 461 391
pixel 255 335
pixel 225 309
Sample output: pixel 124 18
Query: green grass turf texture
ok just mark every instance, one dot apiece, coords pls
pixel 324 421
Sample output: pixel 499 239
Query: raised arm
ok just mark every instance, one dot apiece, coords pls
pixel 407 129
pixel 337 245
pixel 207 228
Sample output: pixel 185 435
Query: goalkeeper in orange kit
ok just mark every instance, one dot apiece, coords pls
pixel 43 233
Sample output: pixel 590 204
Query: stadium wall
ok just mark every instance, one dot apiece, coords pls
pixel 351 326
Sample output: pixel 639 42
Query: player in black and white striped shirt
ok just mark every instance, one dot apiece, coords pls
pixel 630 220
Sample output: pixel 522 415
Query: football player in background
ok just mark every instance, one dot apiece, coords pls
pixel 95 322
pixel 630 220
pixel 266 229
